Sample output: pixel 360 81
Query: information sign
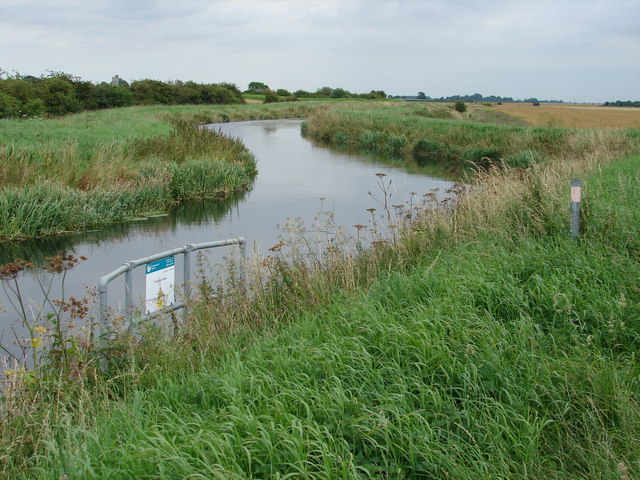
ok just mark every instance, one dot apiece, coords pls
pixel 160 281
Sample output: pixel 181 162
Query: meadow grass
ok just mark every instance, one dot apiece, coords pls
pixel 87 170
pixel 472 340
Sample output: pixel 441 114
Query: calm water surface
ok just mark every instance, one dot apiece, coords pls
pixel 294 175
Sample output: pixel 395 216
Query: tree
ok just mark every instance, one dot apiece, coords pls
pixel 58 95
pixel 324 92
pixel 221 94
pixel 85 93
pixel 151 92
pixel 258 87
pixel 9 106
pixel 111 96
pixel 421 96
pixel 340 93
pixel 373 94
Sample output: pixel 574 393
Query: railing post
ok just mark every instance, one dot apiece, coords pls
pixel 128 292
pixel 576 193
pixel 187 277
pixel 103 289
pixel 243 262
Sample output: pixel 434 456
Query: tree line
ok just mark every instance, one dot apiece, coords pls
pixel 261 88
pixel 620 103
pixel 60 93
pixel 476 97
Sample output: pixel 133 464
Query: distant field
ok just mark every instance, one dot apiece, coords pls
pixel 570 115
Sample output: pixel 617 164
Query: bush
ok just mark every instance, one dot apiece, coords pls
pixel 34 108
pixel 460 106
pixel 110 96
pixel 372 141
pixel 270 96
pixel 482 157
pixel 427 152
pixel 9 106
pixel 341 139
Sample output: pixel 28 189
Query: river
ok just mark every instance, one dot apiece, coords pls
pixel 294 175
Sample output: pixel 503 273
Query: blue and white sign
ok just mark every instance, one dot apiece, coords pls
pixel 160 281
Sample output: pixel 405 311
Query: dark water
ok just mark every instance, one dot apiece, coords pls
pixel 294 174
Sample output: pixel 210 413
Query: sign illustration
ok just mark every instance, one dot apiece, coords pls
pixel 160 281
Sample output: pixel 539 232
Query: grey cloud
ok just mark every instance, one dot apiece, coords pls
pixel 500 46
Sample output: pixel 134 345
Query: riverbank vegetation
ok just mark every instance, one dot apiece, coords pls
pixel 86 170
pixel 472 339
pixel 435 135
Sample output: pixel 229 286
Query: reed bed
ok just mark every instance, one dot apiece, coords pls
pixel 469 337
pixel 87 170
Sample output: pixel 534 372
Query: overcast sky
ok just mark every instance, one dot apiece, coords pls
pixel 573 50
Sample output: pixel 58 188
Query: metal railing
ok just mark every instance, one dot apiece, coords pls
pixel 128 267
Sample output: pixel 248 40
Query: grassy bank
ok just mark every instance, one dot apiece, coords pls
pixel 476 340
pixel 86 170
pixel 434 134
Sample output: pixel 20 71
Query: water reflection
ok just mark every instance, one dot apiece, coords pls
pixel 201 212
pixel 194 213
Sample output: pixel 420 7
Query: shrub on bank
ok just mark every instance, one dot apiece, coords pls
pixel 482 157
pixel 460 106
pixel 427 151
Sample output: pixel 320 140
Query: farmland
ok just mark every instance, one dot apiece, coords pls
pixel 572 115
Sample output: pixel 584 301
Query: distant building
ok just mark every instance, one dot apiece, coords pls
pixel 118 82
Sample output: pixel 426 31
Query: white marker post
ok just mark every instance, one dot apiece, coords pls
pixel 576 193
pixel 160 281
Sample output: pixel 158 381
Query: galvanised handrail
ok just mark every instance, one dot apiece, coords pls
pixel 128 267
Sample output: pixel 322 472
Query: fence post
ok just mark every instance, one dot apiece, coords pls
pixel 103 289
pixel 576 193
pixel 187 277
pixel 128 292
pixel 243 263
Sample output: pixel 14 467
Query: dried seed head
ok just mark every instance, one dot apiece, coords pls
pixel 11 271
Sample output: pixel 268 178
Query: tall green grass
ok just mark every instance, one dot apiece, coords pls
pixel 48 209
pixel 478 340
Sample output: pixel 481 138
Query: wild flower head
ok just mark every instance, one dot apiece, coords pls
pixel 61 262
pixel 10 271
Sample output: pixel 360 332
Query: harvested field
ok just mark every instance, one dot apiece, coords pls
pixel 572 115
